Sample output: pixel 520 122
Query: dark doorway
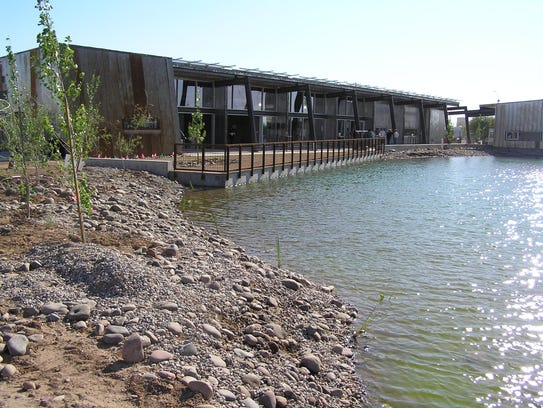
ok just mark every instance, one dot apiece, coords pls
pixel 238 129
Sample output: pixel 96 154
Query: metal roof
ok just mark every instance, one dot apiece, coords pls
pixel 216 71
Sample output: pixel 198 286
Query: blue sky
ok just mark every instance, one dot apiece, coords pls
pixel 476 51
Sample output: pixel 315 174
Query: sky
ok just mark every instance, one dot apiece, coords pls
pixel 474 51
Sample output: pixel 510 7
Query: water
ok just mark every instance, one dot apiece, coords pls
pixel 454 245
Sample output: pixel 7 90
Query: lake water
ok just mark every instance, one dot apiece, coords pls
pixel 455 246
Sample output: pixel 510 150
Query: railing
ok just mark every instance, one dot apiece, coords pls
pixel 235 158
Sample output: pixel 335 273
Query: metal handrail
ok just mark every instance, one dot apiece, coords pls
pixel 235 158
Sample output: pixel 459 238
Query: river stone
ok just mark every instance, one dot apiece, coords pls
pixel 217 361
pixel 267 398
pixel 250 379
pixel 175 328
pixel 311 362
pixel 202 387
pixel 281 401
pixel 291 284
pixel 79 312
pixel 8 371
pixel 17 345
pixel 189 349
pixel 250 403
pixel 209 329
pixel 112 338
pixel 52 307
pixel 171 306
pixel 158 356
pixel 132 351
pixel 114 329
pixel 227 394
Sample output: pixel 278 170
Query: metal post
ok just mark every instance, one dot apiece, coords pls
pixel 468 134
pixel 355 111
pixel 422 122
pixel 310 113
pixel 250 110
pixel 392 113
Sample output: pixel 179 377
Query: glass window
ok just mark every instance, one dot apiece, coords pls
pixel 318 104
pixel 298 103
pixel 236 97
pixel 319 129
pixel 186 93
pixel 205 94
pixel 269 100
pixel 256 94
pixel 345 107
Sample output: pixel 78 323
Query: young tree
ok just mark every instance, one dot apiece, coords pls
pixel 197 133
pixel 78 121
pixel 25 126
pixel 480 126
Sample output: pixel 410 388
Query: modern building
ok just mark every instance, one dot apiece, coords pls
pixel 519 125
pixel 240 105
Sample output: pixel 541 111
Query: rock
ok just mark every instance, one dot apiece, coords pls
pixel 250 340
pixel 52 307
pixel 281 401
pixel 175 328
pixel 114 329
pixel 202 387
pixel 250 403
pixel 311 362
pixel 79 312
pixel 35 338
pixel 291 284
pixel 267 398
pixel 112 338
pixel 227 394
pixel 158 356
pixel 8 371
pixel 17 345
pixel 171 250
pixel 29 385
pixel 80 325
pixel 30 312
pixel 211 330
pixel 171 306
pixel 189 349
pixel 251 380
pixel 132 351
pixel 217 361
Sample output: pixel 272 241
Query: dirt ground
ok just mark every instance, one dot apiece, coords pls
pixel 68 368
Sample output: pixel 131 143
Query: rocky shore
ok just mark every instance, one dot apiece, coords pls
pixel 156 312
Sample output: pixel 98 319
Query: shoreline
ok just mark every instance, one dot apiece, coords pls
pixel 211 324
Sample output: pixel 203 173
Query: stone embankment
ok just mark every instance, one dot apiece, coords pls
pixel 182 308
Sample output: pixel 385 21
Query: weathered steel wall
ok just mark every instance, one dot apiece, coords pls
pixel 126 80
pixel 525 117
pixel 129 80
pixel 436 124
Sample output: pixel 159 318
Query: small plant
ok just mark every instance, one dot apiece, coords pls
pixel 370 317
pixel 214 220
pixel 26 192
pixel 85 194
pixel 197 133
pixel 278 252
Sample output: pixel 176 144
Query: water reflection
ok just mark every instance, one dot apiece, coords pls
pixel 458 257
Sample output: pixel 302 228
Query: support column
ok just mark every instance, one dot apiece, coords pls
pixel 422 122
pixel 310 115
pixel 392 113
pixel 468 135
pixel 355 111
pixel 250 110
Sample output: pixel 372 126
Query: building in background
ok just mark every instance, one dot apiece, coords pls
pixel 239 105
pixel 519 125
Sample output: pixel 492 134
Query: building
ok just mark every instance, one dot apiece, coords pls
pixel 519 125
pixel 240 105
